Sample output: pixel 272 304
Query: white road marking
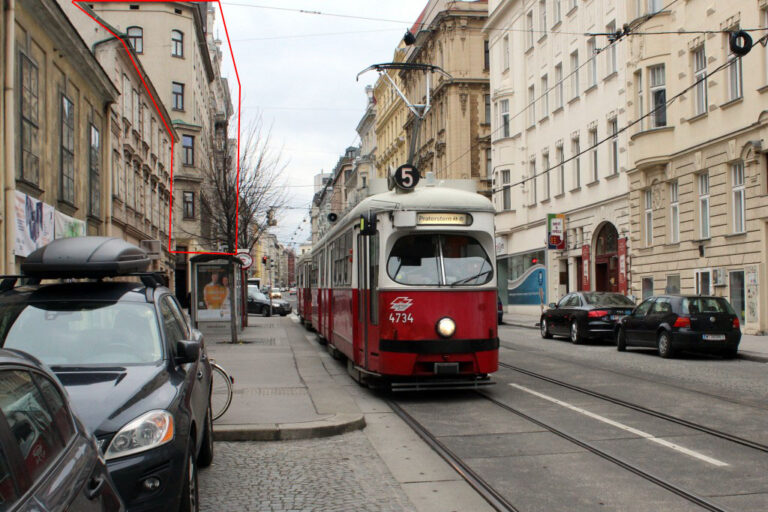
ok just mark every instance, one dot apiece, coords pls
pixel 626 428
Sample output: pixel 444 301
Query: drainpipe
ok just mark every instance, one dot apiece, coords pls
pixel 9 216
pixel 109 170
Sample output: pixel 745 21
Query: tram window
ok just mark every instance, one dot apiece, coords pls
pixel 373 258
pixel 465 261
pixel 414 260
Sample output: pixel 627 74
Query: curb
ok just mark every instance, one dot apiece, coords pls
pixel 753 356
pixel 524 326
pixel 330 426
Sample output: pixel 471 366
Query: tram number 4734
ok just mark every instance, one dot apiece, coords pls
pixel 401 318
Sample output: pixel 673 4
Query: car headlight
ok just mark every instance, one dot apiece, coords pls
pixel 445 327
pixel 148 431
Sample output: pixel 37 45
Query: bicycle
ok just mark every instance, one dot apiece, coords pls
pixel 221 392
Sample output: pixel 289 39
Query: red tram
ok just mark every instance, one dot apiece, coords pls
pixel 404 286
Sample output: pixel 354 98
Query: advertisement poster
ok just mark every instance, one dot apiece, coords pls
pixel 556 231
pixel 623 265
pixel 68 227
pixel 34 224
pixel 213 300
pixel 585 265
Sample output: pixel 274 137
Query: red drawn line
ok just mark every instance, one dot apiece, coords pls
pixel 77 3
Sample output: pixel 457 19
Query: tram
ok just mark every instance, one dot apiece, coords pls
pixel 404 287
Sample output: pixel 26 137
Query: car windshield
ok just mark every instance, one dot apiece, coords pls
pixel 437 260
pixel 254 292
pixel 82 333
pixel 607 299
pixel 695 305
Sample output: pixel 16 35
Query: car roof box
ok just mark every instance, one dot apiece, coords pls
pixel 85 257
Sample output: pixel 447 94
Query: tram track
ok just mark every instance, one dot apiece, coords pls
pixel 642 409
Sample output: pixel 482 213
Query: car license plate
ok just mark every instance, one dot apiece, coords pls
pixel 713 337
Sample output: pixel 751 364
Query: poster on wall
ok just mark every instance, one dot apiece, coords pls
pixel 585 265
pixel 34 224
pixel 213 301
pixel 556 231
pixel 68 227
pixel 751 295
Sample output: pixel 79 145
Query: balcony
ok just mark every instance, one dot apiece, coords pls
pixel 652 147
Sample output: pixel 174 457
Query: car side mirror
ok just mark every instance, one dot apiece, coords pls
pixel 187 351
pixel 552 305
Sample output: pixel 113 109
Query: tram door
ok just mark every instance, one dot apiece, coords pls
pixel 363 298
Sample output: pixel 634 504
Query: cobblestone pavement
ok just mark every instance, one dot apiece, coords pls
pixel 336 474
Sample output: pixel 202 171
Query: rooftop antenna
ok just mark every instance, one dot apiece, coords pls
pixel 419 110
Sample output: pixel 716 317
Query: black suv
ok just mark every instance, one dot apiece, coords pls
pixel 137 373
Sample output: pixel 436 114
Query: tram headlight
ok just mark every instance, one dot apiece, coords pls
pixel 445 327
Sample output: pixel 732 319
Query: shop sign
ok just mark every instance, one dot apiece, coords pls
pixel 34 224
pixel 556 231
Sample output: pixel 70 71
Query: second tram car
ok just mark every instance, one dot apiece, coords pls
pixel 404 286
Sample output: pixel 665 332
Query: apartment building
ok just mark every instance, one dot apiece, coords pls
pixel 365 164
pixel 57 136
pixel 391 115
pixel 556 105
pixel 698 175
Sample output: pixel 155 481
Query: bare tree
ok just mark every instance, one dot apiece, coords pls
pixel 261 192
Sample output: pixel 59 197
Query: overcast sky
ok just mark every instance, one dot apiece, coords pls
pixel 298 70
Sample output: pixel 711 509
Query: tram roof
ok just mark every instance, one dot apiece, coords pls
pixel 423 199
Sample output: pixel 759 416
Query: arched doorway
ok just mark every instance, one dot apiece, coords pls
pixel 607 259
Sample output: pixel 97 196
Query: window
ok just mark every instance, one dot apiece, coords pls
pixel 67 165
pixel 576 159
pixel 488 163
pixel 31 422
pixel 543 17
pixel 135 109
pixel 534 181
pixel 560 170
pixel 486 55
pixel 439 260
pixel 640 99
pixel 575 74
pixel 592 62
pixel 507 190
pixel 558 86
pixel 739 209
pixel 738 297
pixel 703 282
pixel 29 163
pixel 547 174
pixel 177 43
pixel 700 79
pixel 173 328
pixel 94 171
pixel 488 109
pixel 648 218
pixel 505 50
pixel 505 118
pixel 188 144
pixel 658 96
pixel 178 95
pixel 593 152
pixel 704 205
pixel 655 6
pixel 673 284
pixel 544 96
pixel 129 182
pixel 613 129
pixel 557 8
pixel 189 205
pixel 764 16
pixel 136 38
pixel 734 78
pixel 674 213
pixel 647 290
pixel 529 28
pixel 531 105
pixel 117 172
pixel 611 57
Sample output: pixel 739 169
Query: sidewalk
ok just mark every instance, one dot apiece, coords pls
pixel 752 348
pixel 282 390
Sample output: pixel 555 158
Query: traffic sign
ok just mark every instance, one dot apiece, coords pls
pixel 406 177
pixel 246 259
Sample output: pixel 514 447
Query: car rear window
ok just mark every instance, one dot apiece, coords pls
pixel 607 299
pixel 695 305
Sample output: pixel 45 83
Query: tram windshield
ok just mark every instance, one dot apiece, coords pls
pixel 439 260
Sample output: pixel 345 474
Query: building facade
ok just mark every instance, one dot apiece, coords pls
pixel 365 163
pixel 698 179
pixel 556 107
pixel 57 108
pixel 391 115
pixel 453 141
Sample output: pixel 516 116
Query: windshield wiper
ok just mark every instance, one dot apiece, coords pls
pixel 460 281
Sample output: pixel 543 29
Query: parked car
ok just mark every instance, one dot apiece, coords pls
pixel 292 291
pixel 137 373
pixel 585 315
pixel 47 456
pixel 259 304
pixel 275 294
pixel 672 323
pixel 499 310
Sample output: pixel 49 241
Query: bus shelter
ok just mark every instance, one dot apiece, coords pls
pixel 218 292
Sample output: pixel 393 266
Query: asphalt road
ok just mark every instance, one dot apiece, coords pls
pixel 537 470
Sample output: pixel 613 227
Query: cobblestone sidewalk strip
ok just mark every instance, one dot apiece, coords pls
pixel 337 474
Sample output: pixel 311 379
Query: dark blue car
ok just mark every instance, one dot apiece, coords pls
pixel 47 457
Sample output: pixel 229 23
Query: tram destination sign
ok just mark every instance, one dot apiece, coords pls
pixel 443 219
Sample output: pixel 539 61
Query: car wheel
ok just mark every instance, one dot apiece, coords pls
pixel 205 457
pixel 665 345
pixel 575 334
pixel 189 494
pixel 621 340
pixel 545 329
